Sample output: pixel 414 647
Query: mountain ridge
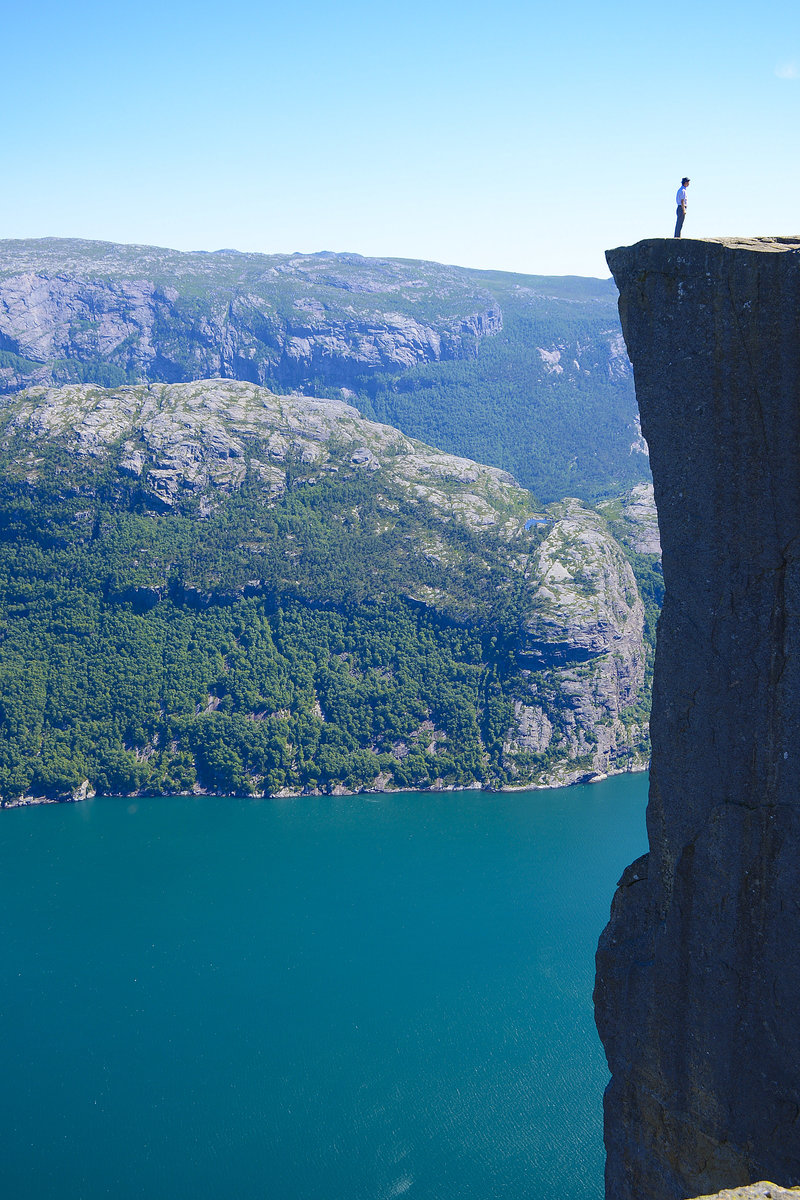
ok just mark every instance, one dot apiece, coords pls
pixel 527 373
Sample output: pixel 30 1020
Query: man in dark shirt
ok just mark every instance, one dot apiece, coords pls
pixel 681 201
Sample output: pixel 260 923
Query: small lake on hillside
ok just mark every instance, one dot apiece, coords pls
pixel 352 998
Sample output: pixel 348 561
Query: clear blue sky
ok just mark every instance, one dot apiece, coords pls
pixel 520 136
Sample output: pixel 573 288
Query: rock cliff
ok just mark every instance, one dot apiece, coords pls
pixel 56 307
pixel 698 973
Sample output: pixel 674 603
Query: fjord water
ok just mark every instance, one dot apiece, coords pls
pixel 350 998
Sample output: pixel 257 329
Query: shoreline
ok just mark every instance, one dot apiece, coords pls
pixel 86 792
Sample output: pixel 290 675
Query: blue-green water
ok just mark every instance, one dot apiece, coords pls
pixel 318 999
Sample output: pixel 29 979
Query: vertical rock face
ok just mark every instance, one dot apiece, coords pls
pixel 698 972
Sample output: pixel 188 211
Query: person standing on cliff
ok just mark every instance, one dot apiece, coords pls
pixel 681 202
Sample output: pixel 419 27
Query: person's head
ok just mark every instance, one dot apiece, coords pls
pixel 685 181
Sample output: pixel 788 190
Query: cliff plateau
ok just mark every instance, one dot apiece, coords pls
pixel 698 972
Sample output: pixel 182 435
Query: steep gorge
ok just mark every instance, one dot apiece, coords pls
pixel 698 981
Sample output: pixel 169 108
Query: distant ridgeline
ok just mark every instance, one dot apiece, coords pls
pixel 525 372
pixel 208 586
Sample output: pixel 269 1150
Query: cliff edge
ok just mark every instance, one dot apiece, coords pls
pixel 698 972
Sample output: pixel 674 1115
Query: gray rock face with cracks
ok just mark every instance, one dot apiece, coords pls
pixel 163 315
pixel 698 972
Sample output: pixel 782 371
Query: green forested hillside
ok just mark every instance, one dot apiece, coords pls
pixel 557 433
pixel 350 609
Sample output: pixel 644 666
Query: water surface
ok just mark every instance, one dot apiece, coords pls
pixel 351 998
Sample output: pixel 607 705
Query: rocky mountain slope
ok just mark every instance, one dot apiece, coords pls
pixel 698 972
pixel 526 372
pixel 209 586
pixel 634 519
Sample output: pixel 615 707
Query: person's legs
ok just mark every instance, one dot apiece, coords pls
pixel 680 220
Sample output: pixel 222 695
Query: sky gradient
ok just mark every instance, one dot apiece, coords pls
pixel 523 137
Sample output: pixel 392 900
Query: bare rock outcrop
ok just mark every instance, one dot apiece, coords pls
pixel 184 437
pixel 584 629
pixel 757 1191
pixel 698 972
pixel 634 519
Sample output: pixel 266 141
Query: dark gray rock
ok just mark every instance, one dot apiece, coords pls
pixel 698 973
